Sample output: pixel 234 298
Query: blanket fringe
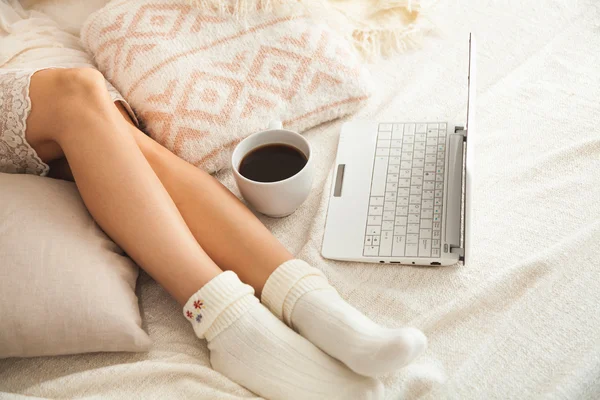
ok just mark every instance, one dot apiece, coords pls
pixel 376 28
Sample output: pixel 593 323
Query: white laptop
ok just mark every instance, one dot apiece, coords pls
pixel 400 191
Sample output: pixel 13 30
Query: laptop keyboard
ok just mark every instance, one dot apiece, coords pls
pixel 406 199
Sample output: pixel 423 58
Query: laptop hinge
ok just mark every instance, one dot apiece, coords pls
pixel 460 251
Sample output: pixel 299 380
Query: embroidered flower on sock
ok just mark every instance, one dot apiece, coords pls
pixel 198 318
pixel 198 304
pixel 189 314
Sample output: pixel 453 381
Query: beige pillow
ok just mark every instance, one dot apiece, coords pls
pixel 65 287
pixel 201 82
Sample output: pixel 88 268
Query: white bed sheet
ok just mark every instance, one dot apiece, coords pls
pixel 521 320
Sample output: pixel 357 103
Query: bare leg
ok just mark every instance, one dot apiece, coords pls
pixel 117 184
pixel 231 235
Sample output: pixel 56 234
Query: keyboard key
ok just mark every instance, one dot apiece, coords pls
pixel 395 152
pixel 435 244
pixel 421 128
pixel 398 128
pixel 391 187
pixel 412 239
pixel 426 223
pixel 438 202
pixel 424 248
pixel 413 228
pixel 403 182
pixel 400 230
pixel 402 201
pixel 413 218
pixel 389 206
pixel 419 154
pixel 403 192
pixel 427 204
pixel 406 164
pixel 441 155
pixel 375 210
pixel 387 226
pixel 390 196
pixel 373 230
pixel 443 126
pixel 439 185
pixel 376 201
pixel 392 178
pixel 428 185
pixel 440 148
pixel 429 176
pixel 385 135
pixel 401 211
pixel 385 127
pixel 396 143
pixel 415 199
pixel 420 137
pixel 405 173
pixel 398 246
pixel 382 152
pixel 383 143
pixel 400 220
pixel 397 135
pixel 440 163
pixel 436 233
pixel 439 170
pixel 393 169
pixel 435 252
pixel 437 218
pixel 430 158
pixel 417 171
pixel 419 146
pixel 408 147
pixel 430 167
pixel 374 220
pixel 427 213
pixel 388 215
pixel 414 208
pixel 411 250
pixel 408 139
pixel 437 210
pixel 416 189
pixel 385 246
pixel 420 163
pixel 439 178
pixel 394 160
pixel 409 129
pixel 428 194
pixel 371 251
pixel 437 225
pixel 425 233
pixel 432 126
pixel 375 241
pixel 416 180
pixel 368 240
pixel 379 173
pixel 432 141
pixel 431 150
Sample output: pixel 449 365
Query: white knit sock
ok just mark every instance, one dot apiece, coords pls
pixel 301 296
pixel 253 348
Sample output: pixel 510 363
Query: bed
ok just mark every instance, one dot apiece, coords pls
pixel 521 319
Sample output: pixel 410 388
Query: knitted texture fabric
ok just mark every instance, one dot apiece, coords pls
pixel 200 81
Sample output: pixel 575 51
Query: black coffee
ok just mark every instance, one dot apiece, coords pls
pixel 272 163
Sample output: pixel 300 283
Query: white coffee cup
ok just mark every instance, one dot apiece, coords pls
pixel 281 198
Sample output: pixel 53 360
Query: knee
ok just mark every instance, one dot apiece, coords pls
pixel 84 86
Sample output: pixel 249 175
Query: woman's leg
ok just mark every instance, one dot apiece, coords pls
pixel 225 228
pixel 73 114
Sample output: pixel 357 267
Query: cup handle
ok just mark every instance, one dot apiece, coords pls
pixel 275 125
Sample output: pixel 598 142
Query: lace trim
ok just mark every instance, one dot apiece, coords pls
pixel 16 154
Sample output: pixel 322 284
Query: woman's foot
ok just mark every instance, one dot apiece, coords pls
pixel 301 296
pixel 252 347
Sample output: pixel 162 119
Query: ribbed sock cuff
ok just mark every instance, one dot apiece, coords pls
pixel 218 304
pixel 290 281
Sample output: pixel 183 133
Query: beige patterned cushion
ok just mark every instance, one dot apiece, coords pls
pixel 65 287
pixel 201 82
